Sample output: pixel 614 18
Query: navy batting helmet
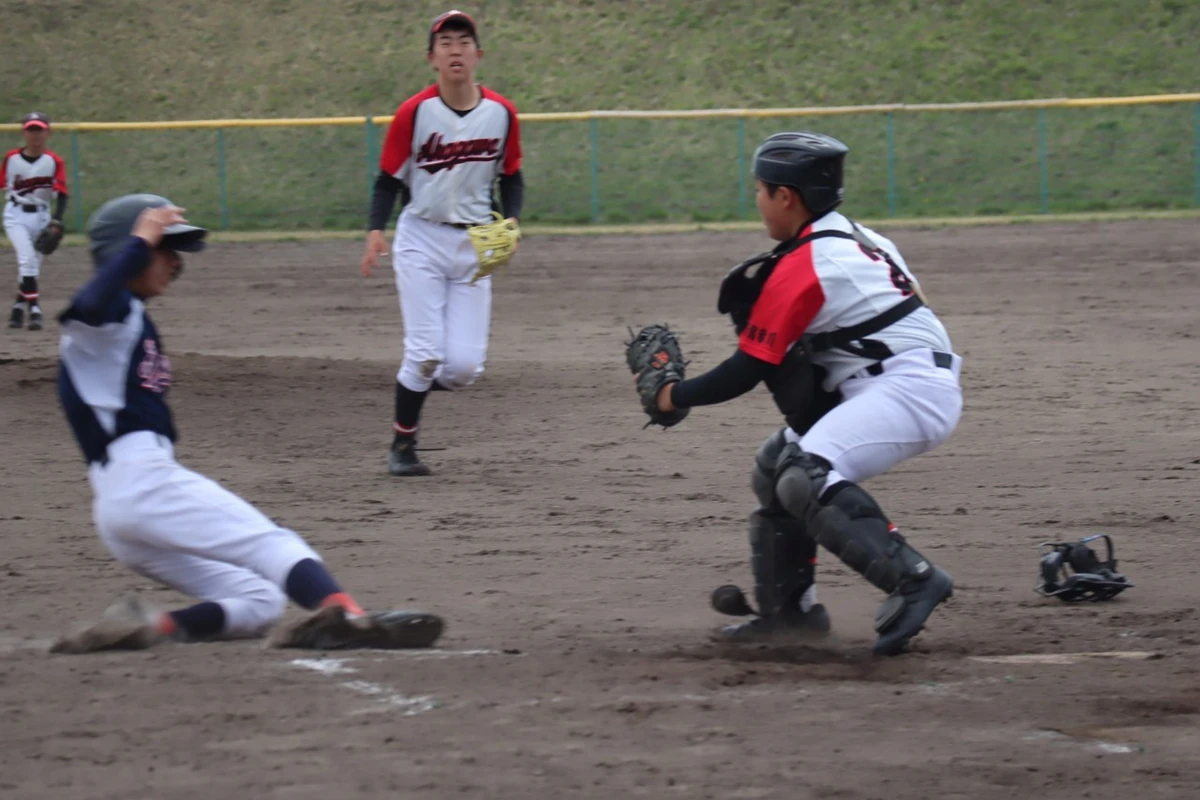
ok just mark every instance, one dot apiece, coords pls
pixel 112 223
pixel 810 163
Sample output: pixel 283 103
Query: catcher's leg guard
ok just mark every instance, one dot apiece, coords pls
pixel 851 525
pixel 782 559
pixel 762 477
pixel 800 478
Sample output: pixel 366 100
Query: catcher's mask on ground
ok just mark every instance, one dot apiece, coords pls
pixel 1071 571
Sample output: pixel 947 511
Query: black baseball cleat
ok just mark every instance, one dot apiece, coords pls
pixel 403 461
pixel 35 320
pixel 17 320
pixel 332 629
pixel 798 626
pixel 902 616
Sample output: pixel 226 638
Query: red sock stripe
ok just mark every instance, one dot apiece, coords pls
pixel 29 295
pixel 403 431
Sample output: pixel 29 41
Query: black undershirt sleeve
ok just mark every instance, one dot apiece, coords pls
pixel 732 378
pixel 512 194
pixel 61 206
pixel 383 200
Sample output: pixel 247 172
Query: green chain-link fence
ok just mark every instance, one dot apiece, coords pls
pixel 1051 156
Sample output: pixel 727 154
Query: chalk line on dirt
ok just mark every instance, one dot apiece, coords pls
pixel 385 695
pixel 1067 658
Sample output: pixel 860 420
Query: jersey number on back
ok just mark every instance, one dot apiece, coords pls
pixel 899 277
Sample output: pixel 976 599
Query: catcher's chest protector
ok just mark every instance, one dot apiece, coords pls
pixel 795 385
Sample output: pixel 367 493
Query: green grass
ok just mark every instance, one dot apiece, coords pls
pixel 123 60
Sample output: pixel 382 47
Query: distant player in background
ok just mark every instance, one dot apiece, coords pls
pixel 35 184
pixel 158 518
pixel 444 150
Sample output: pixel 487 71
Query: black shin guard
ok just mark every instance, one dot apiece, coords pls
pixel 851 525
pixel 782 557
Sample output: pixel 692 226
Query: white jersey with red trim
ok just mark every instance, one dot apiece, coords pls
pixel 33 182
pixel 449 160
pixel 832 283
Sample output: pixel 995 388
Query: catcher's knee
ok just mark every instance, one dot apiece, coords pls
pixel 762 477
pixel 799 480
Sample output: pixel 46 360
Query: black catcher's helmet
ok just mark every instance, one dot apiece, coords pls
pixel 810 163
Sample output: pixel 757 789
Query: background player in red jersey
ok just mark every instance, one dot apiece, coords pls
pixel 35 181
pixel 444 151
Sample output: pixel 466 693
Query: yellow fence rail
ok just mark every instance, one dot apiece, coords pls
pixel 372 125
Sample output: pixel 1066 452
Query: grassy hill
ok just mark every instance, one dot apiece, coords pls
pixel 124 60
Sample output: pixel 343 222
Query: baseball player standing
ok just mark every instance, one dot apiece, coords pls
pixel 158 518
pixel 34 181
pixel 445 149
pixel 835 324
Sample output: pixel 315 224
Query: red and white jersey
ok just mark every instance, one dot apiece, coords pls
pixel 832 283
pixel 33 182
pixel 450 161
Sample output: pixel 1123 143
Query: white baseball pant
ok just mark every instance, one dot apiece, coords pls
pixel 446 317
pixel 22 227
pixel 910 408
pixel 186 531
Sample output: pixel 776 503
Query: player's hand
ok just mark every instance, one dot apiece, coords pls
pixel 664 398
pixel 152 222
pixel 376 247
pixel 517 243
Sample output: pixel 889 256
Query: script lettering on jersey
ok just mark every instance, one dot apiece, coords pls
pixel 436 155
pixel 26 185
pixel 155 369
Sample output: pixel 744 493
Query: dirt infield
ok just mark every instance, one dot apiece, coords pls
pixel 573 553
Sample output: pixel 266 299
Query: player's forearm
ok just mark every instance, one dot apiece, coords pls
pixel 97 295
pixel 383 200
pixel 512 194
pixel 732 378
pixel 60 205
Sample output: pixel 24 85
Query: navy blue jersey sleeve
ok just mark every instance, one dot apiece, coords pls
pixel 104 298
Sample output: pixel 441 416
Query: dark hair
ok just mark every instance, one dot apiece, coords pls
pixel 456 24
pixel 772 188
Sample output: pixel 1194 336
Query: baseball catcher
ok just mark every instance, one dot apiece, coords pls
pixel 861 369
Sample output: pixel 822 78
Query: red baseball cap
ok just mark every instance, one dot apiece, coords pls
pixel 453 15
pixel 35 119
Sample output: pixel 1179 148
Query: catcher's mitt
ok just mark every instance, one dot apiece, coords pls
pixel 494 244
pixel 49 238
pixel 654 356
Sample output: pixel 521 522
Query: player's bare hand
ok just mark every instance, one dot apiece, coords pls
pixel 664 398
pixel 376 247
pixel 517 243
pixel 152 223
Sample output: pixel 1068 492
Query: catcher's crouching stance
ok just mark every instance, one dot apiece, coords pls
pixel 863 372
pixel 160 519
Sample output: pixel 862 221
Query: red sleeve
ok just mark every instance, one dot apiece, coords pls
pixel 512 142
pixel 60 174
pixel 397 145
pixel 788 304
pixel 4 168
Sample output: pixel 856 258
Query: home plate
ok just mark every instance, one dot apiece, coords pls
pixel 1067 658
